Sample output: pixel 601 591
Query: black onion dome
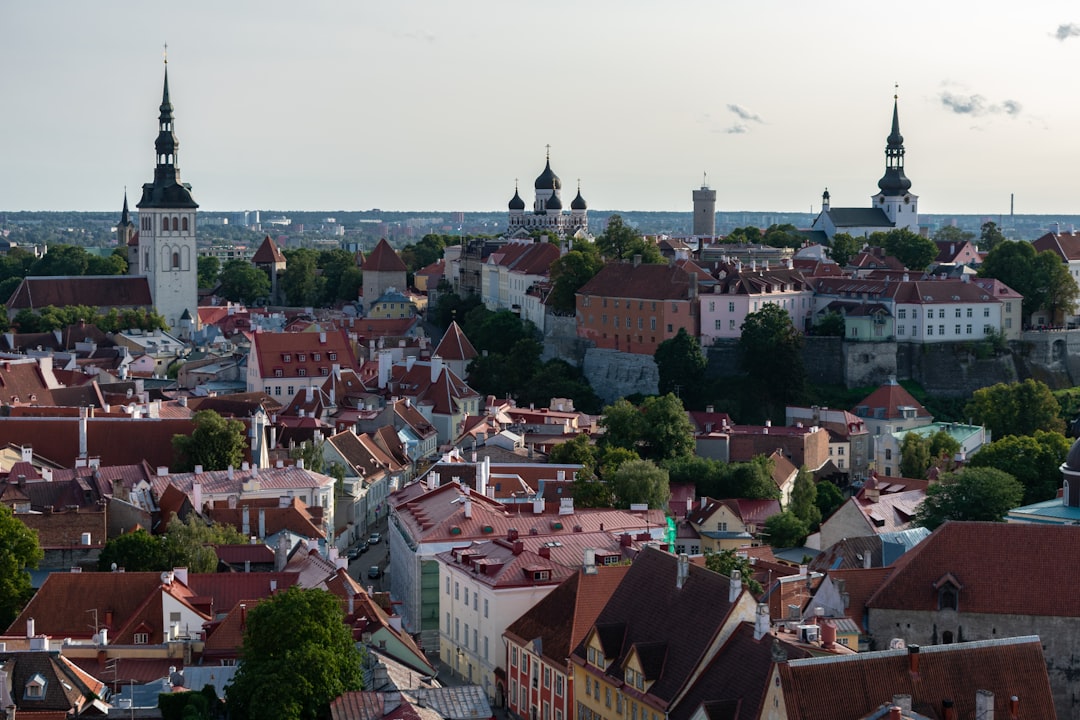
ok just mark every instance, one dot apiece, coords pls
pixel 516 203
pixel 553 202
pixel 894 182
pixel 578 203
pixel 548 179
pixel 1072 460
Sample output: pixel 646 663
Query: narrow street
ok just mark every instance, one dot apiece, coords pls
pixel 378 554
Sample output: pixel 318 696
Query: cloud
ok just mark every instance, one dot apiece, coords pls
pixel 737 129
pixel 744 114
pixel 1066 31
pixel 976 105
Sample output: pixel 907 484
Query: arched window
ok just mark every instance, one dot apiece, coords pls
pixel 176 261
pixel 175 223
pixel 183 224
pixel 947 637
pixel 164 224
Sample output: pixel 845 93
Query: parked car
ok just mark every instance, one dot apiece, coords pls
pixel 357 551
pixel 374 572
pixel 374 539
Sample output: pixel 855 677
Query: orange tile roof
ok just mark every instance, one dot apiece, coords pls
pixel 454 345
pixel 383 259
pixel 268 253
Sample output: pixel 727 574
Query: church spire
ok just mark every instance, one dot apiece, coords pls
pixel 894 181
pixel 125 216
pixel 167 190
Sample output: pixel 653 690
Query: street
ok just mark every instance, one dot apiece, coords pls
pixel 376 555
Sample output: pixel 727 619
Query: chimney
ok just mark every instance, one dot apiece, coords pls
pixel 896 713
pixel 682 571
pixel 436 367
pixel 245 523
pixel 27 453
pixel 243 616
pixel 1014 708
pixel 913 659
pixel 467 505
pixel 984 705
pixel 196 494
pixel 903 702
pixel 762 621
pixel 735 586
pixel 589 563
pixel 637 260
pixel 310 394
pixel 30 627
pixel 948 712
pixel 262 522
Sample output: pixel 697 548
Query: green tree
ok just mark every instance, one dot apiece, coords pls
pixel 943 449
pixel 666 428
pixel 975 493
pixel 19 552
pixel 726 561
pixel 783 236
pixel 912 249
pixel 311 453
pixel 333 266
pixel 705 474
pixel 829 498
pixel 299 281
pixel 748 235
pixel 202 705
pixel 640 481
pixel 751 479
pixel 578 451
pixel 349 284
pixel 1018 408
pixel 297 656
pixel 240 281
pixel 770 351
pixel 1034 460
pixel 914 456
pixel 623 425
pixel 137 551
pixel 990 236
pixel 419 255
pixel 569 273
pixel 953 234
pixel 803 502
pixel 558 378
pixel 62 260
pixel 209 267
pixel 191 543
pixel 618 239
pixel 612 458
pixel 215 443
pixel 112 264
pixel 1043 280
pixel 830 324
pixel 680 363
pixel 785 530
pixel 843 247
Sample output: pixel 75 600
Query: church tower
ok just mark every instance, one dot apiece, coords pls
pixel 895 198
pixel 166 245
pixel 125 229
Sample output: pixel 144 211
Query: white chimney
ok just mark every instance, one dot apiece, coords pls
pixel 984 705
pixel 385 361
pixel 682 571
pixel 762 621
pixel 436 367
pixel 735 586
pixel 30 627
pixel 467 504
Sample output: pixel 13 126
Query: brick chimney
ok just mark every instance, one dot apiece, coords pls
pixel 913 659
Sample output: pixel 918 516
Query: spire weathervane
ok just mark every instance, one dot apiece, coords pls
pixel 165 53
pixel 548 146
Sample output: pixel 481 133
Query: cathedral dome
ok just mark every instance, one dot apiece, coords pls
pixel 548 179
pixel 516 203
pixel 578 203
pixel 1072 460
pixel 553 202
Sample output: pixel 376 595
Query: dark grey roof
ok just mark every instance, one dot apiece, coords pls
pixel 859 217
pixel 1072 460
pixel 516 203
pixel 578 203
pixel 548 179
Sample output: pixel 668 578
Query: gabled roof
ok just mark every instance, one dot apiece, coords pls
pixel 67 691
pixel 859 584
pixel 268 253
pixel 454 345
pixel 1006 667
pixel 1047 552
pixel 682 624
pixel 645 281
pixel 1065 244
pixel 889 398
pixel 383 259
pixel 296 517
pixel 100 291
pixel 562 619
pixel 283 351
pixel 858 217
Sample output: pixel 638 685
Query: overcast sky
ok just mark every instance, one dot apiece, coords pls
pixel 440 104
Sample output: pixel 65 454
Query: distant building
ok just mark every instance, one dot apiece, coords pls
pixel 705 211
pixel 163 250
pixel 547 213
pixel 894 206
pixel 383 270
pixel 271 260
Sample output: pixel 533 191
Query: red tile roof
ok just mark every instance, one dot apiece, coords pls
pixel 383 259
pixel 268 253
pixel 293 352
pixel 57 438
pixel 100 291
pixel 1065 244
pixel 890 397
pixel 646 281
pixel 454 345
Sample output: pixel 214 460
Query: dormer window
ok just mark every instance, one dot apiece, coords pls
pixel 278 372
pixel 948 589
pixel 286 357
pixel 301 358
pixel 301 372
pixel 332 356
pixel 316 357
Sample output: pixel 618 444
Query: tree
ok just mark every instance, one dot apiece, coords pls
pixel 620 241
pixel 914 456
pixel 747 235
pixel 240 281
pixel 299 281
pixel 297 656
pixel 912 249
pixel 1034 460
pixel 209 269
pixel 844 247
pixel 623 425
pixel 770 350
pixel 137 551
pixel 19 552
pixel 990 236
pixel 1046 284
pixel 803 502
pixel 62 260
pixel 829 498
pixel 350 283
pixel 202 705
pixel 831 324
pixel 111 264
pixel 953 234
pixel 311 453
pixel 943 450
pixel 974 493
pixel 785 530
pixel 640 481
pixel 1018 408
pixel 726 561
pixel 578 451
pixel 558 378
pixel 191 543
pixel 215 443
pixel 783 236
pixel 667 431
pixel 612 458
pixel 569 273
pixel 751 480
pixel 680 363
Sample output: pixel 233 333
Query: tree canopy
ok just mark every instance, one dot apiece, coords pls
pixel 620 241
pixel 1019 408
pixel 712 478
pixel 640 481
pixel 1041 277
pixel 770 351
pixel 786 530
pixel 19 552
pixel 990 236
pixel 1034 460
pixel 680 363
pixel 912 249
pixel 803 502
pixel 843 247
pixel 240 281
pixel 209 267
pixel 569 273
pixel 953 234
pixel 974 493
pixel 725 561
pixel 918 454
pixel 215 443
pixel 297 656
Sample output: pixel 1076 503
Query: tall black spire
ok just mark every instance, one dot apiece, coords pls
pixel 125 216
pixel 167 190
pixel 894 182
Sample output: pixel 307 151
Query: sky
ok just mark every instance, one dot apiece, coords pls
pixel 440 105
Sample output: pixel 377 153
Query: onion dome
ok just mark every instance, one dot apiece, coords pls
pixel 516 203
pixel 553 202
pixel 548 179
pixel 1072 460
pixel 578 203
pixel 825 195
pixel 894 181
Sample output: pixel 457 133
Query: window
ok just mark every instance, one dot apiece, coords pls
pixel 719 324
pixel 902 314
pixel 652 323
pixel 475 600
pixel 957 330
pixel 466 597
pixel 603 319
pixel 513 657
pixel 475 640
pixel 607 697
pixel 941 313
pixel 558 684
pixel 332 356
pixel 986 310
pixel 176 261
pixel 457 590
pixel 969 312
pixel 929 329
pixel 448 624
pixel 731 307
pixel 941 329
pixel 486 647
pixel 547 677
pixel 840 450
pixel 142 638
pixel 968 329
pixel 457 629
pixel 670 328
pixel 277 390
pixel 286 357
pixel 1008 308
pixel 720 527
pixel 901 329
pixel 888 453
pixel 485 607
pixel 278 372
pixel 290 390
pixel 957 312
pixel 301 372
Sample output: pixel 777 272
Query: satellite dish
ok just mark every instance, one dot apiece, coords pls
pixel 897 644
